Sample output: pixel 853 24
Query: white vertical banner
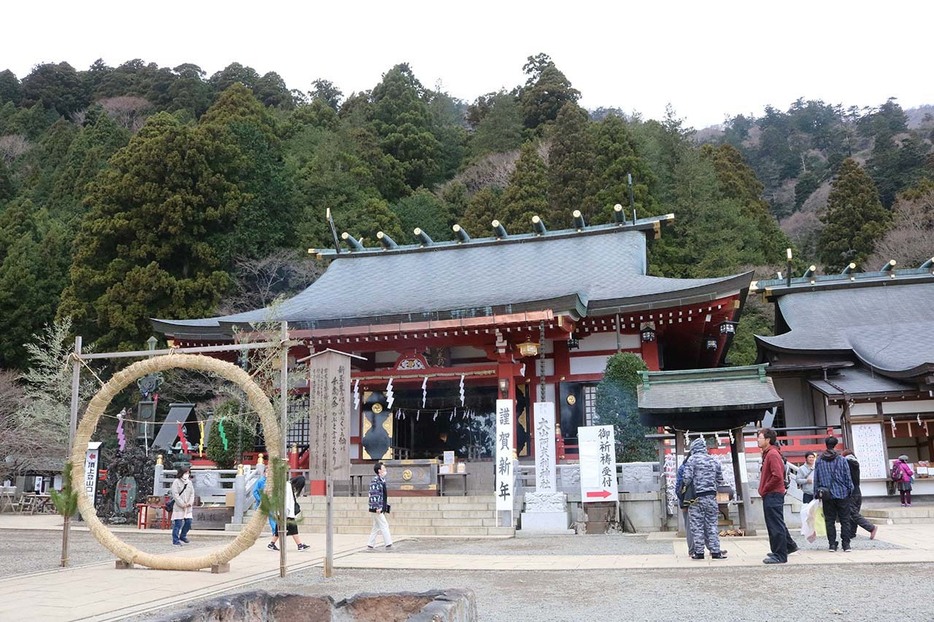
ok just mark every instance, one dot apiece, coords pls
pixel 92 461
pixel 545 447
pixel 598 463
pixel 504 445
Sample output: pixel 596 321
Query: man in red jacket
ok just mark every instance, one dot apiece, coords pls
pixel 772 491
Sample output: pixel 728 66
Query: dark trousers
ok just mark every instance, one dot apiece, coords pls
pixel 808 497
pixel 773 506
pixel 857 519
pixel 837 510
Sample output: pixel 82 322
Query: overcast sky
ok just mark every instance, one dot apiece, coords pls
pixel 709 60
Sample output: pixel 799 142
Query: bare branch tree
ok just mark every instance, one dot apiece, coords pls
pixel 12 146
pixel 259 282
pixel 910 241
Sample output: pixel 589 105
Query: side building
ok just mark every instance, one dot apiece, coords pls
pixel 856 351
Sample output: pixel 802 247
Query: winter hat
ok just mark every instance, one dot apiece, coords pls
pixel 698 445
pixel 903 458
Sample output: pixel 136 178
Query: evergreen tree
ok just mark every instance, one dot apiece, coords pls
pixel 265 221
pixel 485 206
pixel 33 271
pixel 898 158
pixel 153 243
pixel 527 193
pixel 10 89
pixel 854 220
pixel 546 91
pixel 764 242
pixel 425 211
pixel 617 157
pixel 402 120
pixel 500 128
pixel 617 405
pixel 55 87
pixel 571 169
pixel 86 156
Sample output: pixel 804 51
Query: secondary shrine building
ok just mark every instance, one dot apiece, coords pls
pixel 446 328
pixel 854 353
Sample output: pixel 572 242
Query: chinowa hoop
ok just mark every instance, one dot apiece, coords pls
pixel 130 554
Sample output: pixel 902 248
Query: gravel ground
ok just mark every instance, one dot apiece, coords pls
pixel 790 592
pixel 796 592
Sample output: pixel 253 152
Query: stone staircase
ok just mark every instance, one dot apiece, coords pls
pixel 411 516
pixel 897 515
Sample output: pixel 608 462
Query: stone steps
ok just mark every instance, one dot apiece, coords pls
pixel 899 515
pixel 411 516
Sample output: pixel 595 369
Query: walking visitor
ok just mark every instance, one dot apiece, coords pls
pixel 856 499
pixel 292 510
pixel 380 507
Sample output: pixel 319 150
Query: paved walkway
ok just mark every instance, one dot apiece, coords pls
pixel 100 592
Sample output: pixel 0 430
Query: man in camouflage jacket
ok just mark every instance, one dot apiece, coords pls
pixel 704 472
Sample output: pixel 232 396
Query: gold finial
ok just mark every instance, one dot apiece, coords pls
pixel 159 459
pixel 259 459
pixel 240 469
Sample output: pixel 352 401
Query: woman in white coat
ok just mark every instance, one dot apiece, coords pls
pixel 182 492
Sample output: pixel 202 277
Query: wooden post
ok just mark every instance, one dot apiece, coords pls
pixel 329 530
pixel 741 477
pixel 284 426
pixel 72 428
pixel 679 455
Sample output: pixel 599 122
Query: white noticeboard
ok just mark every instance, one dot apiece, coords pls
pixel 545 447
pixel 91 465
pixel 504 445
pixel 597 463
pixel 869 449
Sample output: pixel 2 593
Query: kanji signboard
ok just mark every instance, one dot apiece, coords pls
pixel 597 463
pixel 504 444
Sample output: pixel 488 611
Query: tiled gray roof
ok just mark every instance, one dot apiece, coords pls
pixel 890 328
pixel 736 388
pixel 573 272
pixel 858 382
pixel 706 400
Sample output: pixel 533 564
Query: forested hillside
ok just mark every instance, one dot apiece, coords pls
pixel 141 191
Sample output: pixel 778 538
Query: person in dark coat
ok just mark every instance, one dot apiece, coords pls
pixel 379 506
pixel 856 500
pixel 833 484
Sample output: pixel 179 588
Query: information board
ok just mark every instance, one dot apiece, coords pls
pixel 869 448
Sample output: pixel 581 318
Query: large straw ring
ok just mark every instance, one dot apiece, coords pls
pixel 258 400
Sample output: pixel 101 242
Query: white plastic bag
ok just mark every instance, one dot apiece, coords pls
pixel 808 518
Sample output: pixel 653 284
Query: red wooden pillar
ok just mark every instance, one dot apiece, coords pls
pixel 650 354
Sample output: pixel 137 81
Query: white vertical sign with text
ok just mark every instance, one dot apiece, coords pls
pixel 91 466
pixel 598 463
pixel 504 445
pixel 545 447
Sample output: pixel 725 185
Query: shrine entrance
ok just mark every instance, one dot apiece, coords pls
pixel 418 426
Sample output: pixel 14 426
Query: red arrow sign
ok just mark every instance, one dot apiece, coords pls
pixel 600 493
